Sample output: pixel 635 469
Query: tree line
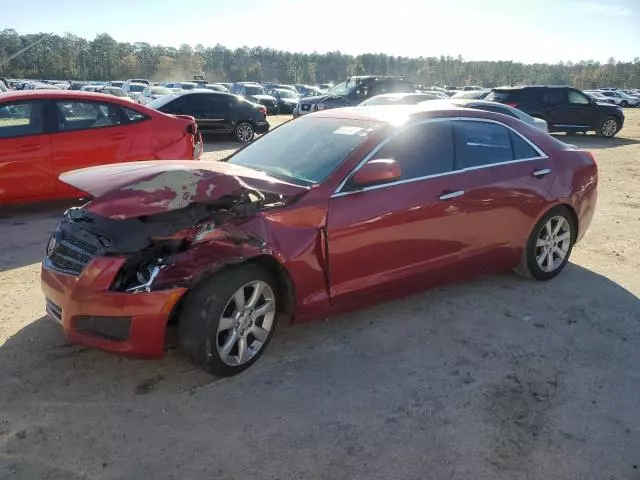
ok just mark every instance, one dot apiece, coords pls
pixel 69 57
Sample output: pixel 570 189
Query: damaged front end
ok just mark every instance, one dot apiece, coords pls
pixel 115 268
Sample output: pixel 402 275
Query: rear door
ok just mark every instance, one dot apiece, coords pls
pixel 506 181
pixel 26 169
pixel 88 133
pixel 556 106
pixel 217 112
pixel 386 236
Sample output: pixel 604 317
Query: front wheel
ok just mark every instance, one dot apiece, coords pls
pixel 227 322
pixel 609 127
pixel 244 132
pixel 624 104
pixel 549 245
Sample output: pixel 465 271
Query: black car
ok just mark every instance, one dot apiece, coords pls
pixel 216 112
pixel 354 91
pixel 287 100
pixel 565 109
pixel 255 92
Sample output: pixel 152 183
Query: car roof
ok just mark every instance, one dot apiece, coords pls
pixel 34 94
pixel 402 113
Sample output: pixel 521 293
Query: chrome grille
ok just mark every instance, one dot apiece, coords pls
pixel 53 310
pixel 71 254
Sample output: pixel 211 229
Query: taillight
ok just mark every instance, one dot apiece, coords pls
pixel 192 128
pixel 263 109
pixel 512 104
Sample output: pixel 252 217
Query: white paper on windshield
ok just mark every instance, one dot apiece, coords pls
pixel 345 130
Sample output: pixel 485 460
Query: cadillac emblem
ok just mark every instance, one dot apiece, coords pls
pixel 51 246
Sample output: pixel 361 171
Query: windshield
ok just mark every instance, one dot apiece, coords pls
pixel 188 86
pixel 306 150
pixel 160 91
pixel 286 93
pixel 255 91
pixel 341 90
pixel 136 88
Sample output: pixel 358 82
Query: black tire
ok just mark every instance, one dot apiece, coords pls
pixel 605 129
pixel 529 267
pixel 201 313
pixel 624 104
pixel 241 132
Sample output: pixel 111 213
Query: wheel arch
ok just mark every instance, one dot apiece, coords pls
pixel 570 208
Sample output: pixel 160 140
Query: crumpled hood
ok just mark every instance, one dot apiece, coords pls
pixel 135 189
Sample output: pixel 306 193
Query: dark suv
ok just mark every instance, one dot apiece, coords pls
pixel 565 109
pixel 216 112
pixel 353 91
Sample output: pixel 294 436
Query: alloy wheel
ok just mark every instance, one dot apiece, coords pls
pixel 609 127
pixel 246 323
pixel 553 243
pixel 245 133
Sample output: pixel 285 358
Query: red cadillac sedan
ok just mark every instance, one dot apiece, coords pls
pixel 326 213
pixel 44 133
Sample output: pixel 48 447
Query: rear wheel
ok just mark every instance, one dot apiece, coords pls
pixel 609 127
pixel 549 245
pixel 244 132
pixel 228 321
pixel 624 104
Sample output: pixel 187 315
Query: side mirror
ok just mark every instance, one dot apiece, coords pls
pixel 376 172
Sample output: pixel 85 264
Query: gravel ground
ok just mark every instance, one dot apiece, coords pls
pixel 498 378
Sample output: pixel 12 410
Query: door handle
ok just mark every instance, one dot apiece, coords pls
pixel 28 148
pixel 541 173
pixel 450 195
pixel 118 136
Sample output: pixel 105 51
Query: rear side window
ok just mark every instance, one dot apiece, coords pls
pixel 421 150
pixel 481 143
pixel 484 143
pixel 554 96
pixel 133 115
pixel 521 149
pixel 77 115
pixel 20 119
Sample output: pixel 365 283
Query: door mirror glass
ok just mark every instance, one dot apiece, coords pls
pixel 377 172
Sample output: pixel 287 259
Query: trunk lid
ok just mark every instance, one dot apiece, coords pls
pixel 135 189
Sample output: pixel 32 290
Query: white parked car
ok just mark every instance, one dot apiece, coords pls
pixel 149 94
pixel 494 107
pixel 134 89
pixel 621 98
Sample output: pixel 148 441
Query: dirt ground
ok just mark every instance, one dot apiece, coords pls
pixel 498 378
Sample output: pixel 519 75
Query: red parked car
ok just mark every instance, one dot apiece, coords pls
pixel 326 213
pixel 48 132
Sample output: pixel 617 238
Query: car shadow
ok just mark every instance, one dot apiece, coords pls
pixel 477 344
pixel 25 229
pixel 595 142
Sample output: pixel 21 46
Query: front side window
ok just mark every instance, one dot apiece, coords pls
pixel 78 115
pixel 306 150
pixel 421 150
pixel 483 143
pixel 20 119
pixel 577 98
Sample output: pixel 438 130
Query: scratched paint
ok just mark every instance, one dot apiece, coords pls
pixel 183 183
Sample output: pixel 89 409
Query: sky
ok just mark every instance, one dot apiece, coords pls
pixel 527 31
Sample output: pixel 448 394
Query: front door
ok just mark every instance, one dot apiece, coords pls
pixel 26 169
pixel 386 236
pixel 580 110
